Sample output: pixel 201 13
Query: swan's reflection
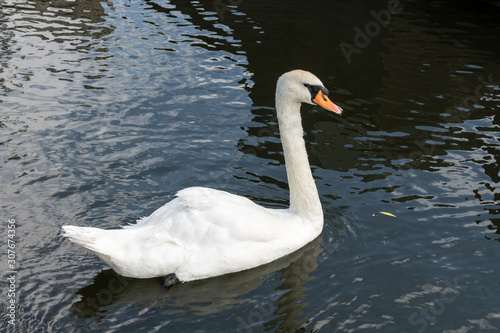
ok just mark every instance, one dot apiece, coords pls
pixel 209 296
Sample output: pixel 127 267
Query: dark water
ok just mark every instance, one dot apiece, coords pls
pixel 109 108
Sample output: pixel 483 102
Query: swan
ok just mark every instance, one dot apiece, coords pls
pixel 205 232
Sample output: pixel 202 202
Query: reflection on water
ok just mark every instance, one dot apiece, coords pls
pixel 69 31
pixel 109 108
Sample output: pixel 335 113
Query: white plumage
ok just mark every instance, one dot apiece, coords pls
pixel 205 232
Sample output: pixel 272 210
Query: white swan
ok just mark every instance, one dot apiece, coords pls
pixel 205 232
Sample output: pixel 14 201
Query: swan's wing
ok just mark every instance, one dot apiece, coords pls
pixel 216 232
pixel 202 233
pixel 205 215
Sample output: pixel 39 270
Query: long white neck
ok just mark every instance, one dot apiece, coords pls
pixel 304 198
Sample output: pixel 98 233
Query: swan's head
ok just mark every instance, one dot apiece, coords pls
pixel 304 87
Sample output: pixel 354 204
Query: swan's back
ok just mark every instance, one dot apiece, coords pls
pixel 201 233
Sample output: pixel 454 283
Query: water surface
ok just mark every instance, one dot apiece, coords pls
pixel 109 108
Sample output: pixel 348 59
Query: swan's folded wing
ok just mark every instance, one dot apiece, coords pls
pixel 205 232
pixel 206 217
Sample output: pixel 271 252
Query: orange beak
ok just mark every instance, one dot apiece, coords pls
pixel 323 101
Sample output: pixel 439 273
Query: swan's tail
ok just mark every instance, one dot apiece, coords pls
pixel 83 236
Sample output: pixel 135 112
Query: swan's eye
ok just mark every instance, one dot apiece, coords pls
pixel 313 90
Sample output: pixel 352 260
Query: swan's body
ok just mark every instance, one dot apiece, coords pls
pixel 205 232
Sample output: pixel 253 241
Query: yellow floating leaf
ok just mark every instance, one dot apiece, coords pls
pixel 388 214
